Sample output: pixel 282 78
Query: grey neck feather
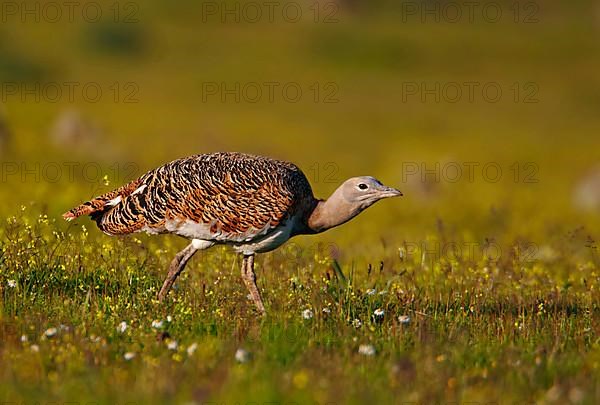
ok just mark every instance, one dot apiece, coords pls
pixel 332 212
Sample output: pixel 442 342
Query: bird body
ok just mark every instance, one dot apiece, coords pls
pixel 252 203
pixel 247 201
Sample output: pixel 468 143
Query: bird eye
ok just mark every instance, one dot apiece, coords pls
pixel 363 186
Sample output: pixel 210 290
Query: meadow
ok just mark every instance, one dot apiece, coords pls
pixel 480 285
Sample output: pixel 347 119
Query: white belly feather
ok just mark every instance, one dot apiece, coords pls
pixel 273 240
pixel 253 241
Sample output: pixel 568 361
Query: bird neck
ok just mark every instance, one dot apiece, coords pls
pixel 330 213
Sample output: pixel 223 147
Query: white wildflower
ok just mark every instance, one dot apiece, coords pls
pixel 157 324
pixel 366 350
pixel 371 291
pixel 169 318
pixel 12 283
pixel 242 356
pixel 307 314
pixel 129 356
pixel 50 332
pixel 122 327
pixel 192 348
pixel 34 348
pixel 172 345
pixel 404 319
pixel 357 323
pixel 24 338
pixel 326 310
pixel 379 313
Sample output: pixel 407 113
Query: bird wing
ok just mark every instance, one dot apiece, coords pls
pixel 224 197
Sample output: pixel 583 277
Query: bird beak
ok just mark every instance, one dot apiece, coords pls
pixel 390 192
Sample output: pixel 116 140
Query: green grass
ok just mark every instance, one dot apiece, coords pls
pixel 499 279
pixel 502 331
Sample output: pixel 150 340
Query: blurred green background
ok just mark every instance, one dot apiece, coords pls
pixel 357 64
pixel 378 82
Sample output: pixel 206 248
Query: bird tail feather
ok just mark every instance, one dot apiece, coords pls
pixel 98 206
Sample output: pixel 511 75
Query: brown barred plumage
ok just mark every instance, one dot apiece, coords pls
pixel 253 203
pixel 236 196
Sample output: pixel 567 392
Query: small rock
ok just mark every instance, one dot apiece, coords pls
pixel 71 129
pixel 586 195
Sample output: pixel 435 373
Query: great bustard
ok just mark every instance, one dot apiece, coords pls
pixel 253 203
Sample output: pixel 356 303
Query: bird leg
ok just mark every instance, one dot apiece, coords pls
pixel 249 278
pixel 176 267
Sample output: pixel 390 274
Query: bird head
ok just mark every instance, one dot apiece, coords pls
pixel 351 198
pixel 364 191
